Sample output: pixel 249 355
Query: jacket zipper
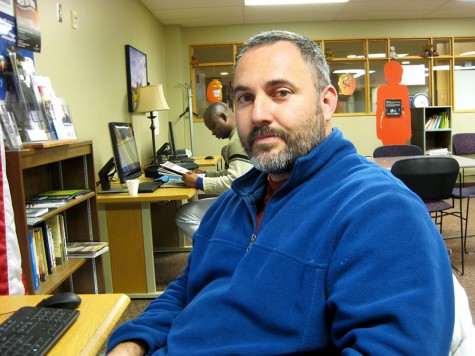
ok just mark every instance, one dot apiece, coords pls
pixel 253 238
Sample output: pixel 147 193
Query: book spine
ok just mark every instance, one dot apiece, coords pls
pixel 34 267
pixel 38 236
pixel 48 249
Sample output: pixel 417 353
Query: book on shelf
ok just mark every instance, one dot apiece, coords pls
pixel 33 259
pixel 36 212
pixel 40 253
pixel 54 198
pixel 45 203
pixel 86 249
pixel 58 235
pixel 49 248
pixel 64 193
pixel 437 121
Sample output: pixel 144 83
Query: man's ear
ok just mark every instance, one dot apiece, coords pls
pixel 329 100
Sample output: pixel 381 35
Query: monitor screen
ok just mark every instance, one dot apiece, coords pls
pixel 126 156
pixel 172 139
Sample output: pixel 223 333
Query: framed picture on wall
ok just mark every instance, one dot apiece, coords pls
pixel 136 65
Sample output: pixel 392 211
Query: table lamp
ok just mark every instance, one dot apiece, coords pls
pixel 150 98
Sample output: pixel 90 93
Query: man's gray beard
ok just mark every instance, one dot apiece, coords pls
pixel 298 144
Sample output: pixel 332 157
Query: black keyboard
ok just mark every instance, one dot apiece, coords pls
pixel 187 165
pixel 34 330
pixel 149 187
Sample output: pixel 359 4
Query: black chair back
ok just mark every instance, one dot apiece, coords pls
pixel 397 150
pixel 432 178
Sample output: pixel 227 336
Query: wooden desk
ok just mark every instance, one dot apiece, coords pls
pixel 387 162
pixel 130 225
pixel 216 161
pixel 99 313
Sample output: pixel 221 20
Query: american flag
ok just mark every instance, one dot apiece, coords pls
pixel 10 259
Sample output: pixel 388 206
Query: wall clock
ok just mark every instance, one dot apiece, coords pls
pixel 420 101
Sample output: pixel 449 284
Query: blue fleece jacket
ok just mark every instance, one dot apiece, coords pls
pixel 346 261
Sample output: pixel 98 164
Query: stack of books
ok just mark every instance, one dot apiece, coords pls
pixel 86 249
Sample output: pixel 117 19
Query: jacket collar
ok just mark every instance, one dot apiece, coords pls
pixel 331 150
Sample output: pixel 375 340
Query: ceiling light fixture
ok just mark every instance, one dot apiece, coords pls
pixel 288 2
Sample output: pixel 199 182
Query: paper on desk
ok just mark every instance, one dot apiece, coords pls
pixel 170 167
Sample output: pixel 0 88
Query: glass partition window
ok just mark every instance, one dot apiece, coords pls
pixel 212 83
pixel 443 68
pixel 214 54
pixel 443 46
pixel 345 49
pixel 349 79
pixel 409 47
pixel 464 90
pixel 377 49
pixel 416 76
pixel 464 47
pixel 376 78
pixel 441 71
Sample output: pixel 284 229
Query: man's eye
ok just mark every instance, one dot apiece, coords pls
pixel 244 99
pixel 282 93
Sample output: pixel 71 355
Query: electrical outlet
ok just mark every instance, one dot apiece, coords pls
pixel 74 19
pixel 59 12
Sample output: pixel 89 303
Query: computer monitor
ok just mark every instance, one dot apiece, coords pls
pixel 175 156
pixel 172 139
pixel 126 156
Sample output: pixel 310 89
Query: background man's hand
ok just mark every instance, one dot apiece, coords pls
pixel 190 179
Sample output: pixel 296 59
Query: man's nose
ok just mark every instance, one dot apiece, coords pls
pixel 262 110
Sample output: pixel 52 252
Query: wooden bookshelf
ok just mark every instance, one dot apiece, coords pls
pixel 68 166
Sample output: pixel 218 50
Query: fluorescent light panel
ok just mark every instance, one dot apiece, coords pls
pixel 288 2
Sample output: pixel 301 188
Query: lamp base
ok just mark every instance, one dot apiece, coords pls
pixel 152 171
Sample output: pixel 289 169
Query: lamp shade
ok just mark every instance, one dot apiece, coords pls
pixel 151 98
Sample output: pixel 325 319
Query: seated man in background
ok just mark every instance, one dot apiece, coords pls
pixel 220 120
pixel 316 250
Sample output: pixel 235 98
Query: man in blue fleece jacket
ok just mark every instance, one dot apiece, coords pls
pixel 314 250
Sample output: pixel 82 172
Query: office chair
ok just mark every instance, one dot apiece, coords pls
pixel 464 144
pixel 433 180
pixel 397 150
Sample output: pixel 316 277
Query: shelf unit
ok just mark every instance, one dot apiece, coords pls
pixel 67 166
pixel 429 139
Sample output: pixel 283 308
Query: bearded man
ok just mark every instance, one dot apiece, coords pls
pixel 315 250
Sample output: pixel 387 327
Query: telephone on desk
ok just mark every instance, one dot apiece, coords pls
pixel 163 150
pixel 182 160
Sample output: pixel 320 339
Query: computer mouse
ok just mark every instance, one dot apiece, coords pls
pixel 67 300
pixel 209 157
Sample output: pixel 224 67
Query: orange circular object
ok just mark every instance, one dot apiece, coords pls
pixel 347 84
pixel 214 92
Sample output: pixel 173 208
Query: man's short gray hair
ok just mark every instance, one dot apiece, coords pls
pixel 311 53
